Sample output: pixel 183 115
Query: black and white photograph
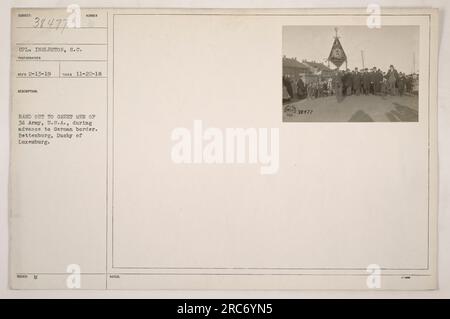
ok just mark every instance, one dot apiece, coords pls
pixel 350 74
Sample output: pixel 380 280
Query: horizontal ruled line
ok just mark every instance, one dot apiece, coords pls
pixel 222 274
pixel 61 77
pixel 30 60
pixel 61 44
pixel 59 28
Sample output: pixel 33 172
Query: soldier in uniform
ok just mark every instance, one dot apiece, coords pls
pixel 392 78
pixel 401 84
pixel 379 81
pixel 289 87
pixel 348 83
pixel 338 85
pixel 356 82
pixel 286 96
pixel 301 90
pixel 384 84
pixel 373 80
pixel 366 81
pixel 409 84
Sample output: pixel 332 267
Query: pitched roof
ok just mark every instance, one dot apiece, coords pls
pixel 319 66
pixel 293 63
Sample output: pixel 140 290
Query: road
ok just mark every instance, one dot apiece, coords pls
pixel 353 109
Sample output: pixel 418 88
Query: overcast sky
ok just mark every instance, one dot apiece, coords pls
pixel 382 47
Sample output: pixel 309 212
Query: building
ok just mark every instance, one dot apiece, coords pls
pixel 294 69
pixel 318 70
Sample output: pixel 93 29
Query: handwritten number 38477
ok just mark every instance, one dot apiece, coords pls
pixel 52 23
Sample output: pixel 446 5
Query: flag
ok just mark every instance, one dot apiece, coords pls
pixel 337 54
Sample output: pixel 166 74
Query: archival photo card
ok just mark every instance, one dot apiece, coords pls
pixel 148 150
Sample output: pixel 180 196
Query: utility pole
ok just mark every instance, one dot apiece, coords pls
pixel 362 58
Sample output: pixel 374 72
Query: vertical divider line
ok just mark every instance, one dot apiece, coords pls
pixel 107 146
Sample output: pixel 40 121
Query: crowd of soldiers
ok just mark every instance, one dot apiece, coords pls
pixel 356 82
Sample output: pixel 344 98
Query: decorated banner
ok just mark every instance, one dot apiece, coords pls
pixel 337 54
